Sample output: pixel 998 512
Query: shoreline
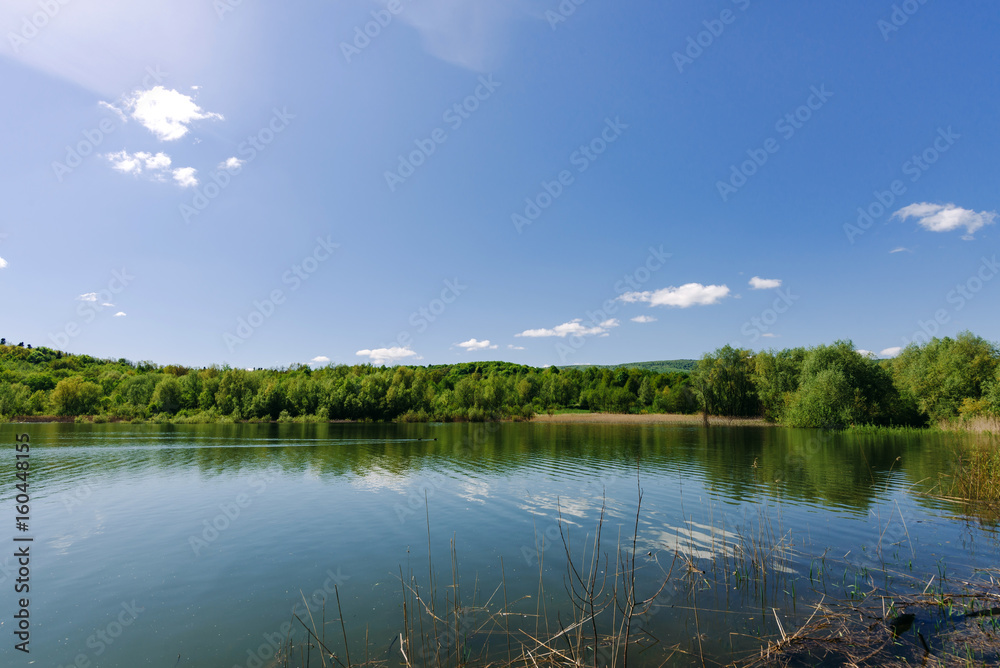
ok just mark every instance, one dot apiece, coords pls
pixel 647 418
pixel 541 418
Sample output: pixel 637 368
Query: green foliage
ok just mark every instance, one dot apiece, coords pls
pixel 724 383
pixel 662 366
pixel 167 395
pixel 14 399
pixel 839 387
pixel 826 386
pixel 944 373
pixel 76 396
pixel 776 377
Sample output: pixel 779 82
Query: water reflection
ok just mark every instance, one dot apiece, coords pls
pixel 117 507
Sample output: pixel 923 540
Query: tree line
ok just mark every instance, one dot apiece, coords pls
pixel 42 381
pixel 825 386
pixel 836 385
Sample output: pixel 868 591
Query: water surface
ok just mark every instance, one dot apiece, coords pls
pixel 198 541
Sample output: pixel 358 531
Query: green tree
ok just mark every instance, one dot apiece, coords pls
pixel 76 396
pixel 776 377
pixel 167 395
pixel 944 373
pixel 14 399
pixel 723 381
pixel 839 386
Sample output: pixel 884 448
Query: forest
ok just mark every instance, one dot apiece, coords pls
pixel 829 386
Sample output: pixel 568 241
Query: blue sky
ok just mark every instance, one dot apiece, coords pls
pixel 436 181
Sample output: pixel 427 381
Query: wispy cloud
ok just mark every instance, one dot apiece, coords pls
pixel 511 346
pixel 164 112
pixel 88 297
pixel 643 318
pixel 387 355
pixel 689 294
pixel 758 283
pixel 946 217
pixel 473 344
pixel 900 249
pixel 572 328
pixel 890 352
pixel 469 33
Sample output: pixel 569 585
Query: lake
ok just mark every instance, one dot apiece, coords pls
pixel 153 542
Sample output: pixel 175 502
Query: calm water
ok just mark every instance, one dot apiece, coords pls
pixel 127 569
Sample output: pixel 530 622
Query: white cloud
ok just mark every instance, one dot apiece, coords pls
pixel 758 283
pixel 946 217
pixel 473 344
pixel 320 359
pixel 136 163
pixel 106 305
pixel 900 249
pixel 643 318
pixel 124 162
pixel 158 161
pixel 387 355
pixel 165 112
pixel 232 163
pixel 511 346
pixel 120 314
pixel 3 263
pixel 571 328
pixel 865 353
pixel 769 335
pixel 88 297
pixel 890 352
pixel 689 294
pixel 184 176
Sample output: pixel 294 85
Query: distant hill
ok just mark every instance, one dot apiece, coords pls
pixel 659 367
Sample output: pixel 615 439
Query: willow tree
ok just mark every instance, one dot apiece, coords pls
pixel 723 381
